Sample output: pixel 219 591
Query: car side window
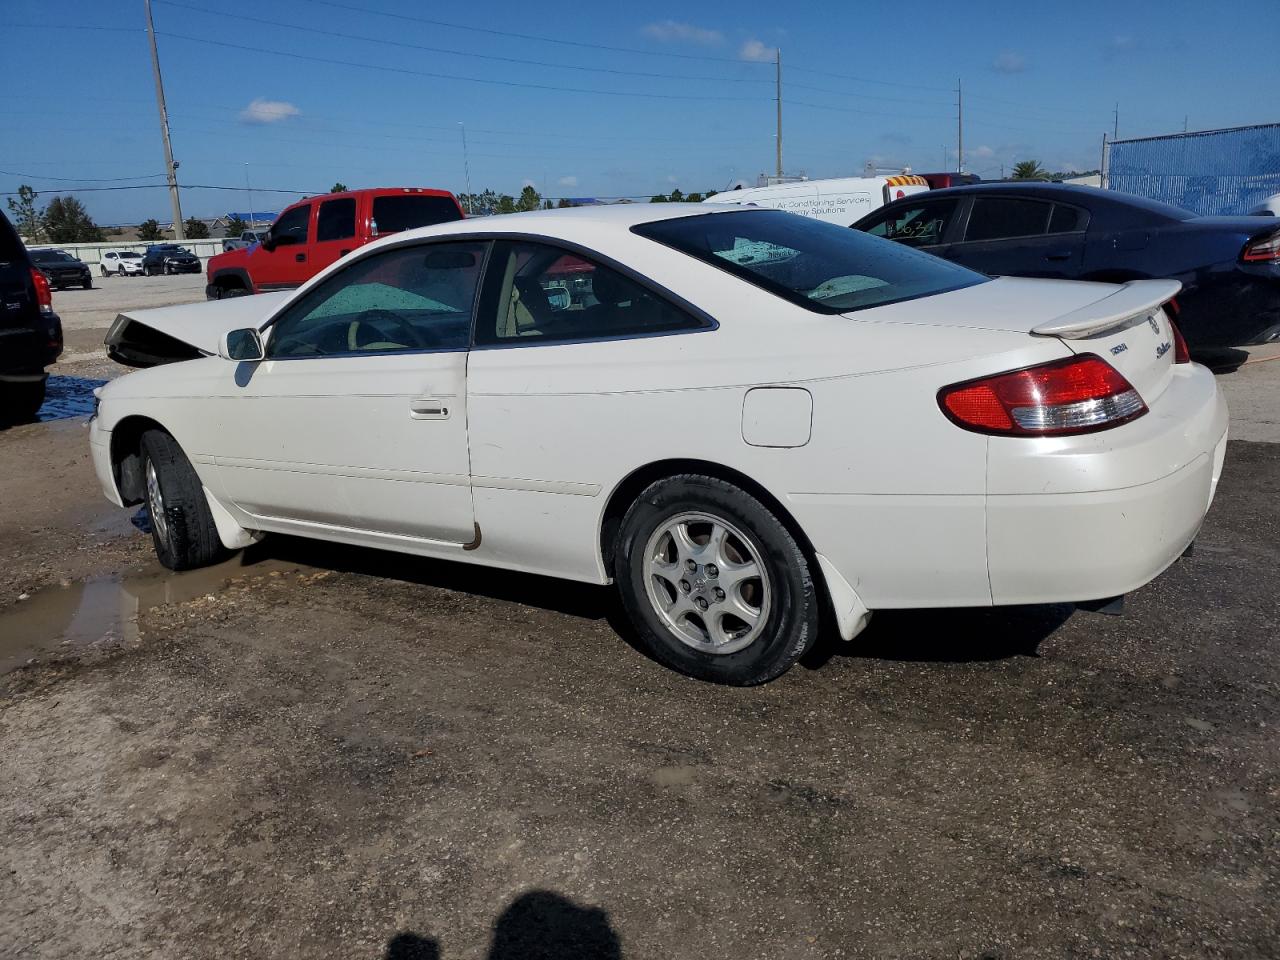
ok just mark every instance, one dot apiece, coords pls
pixel 548 294
pixel 292 226
pixel 336 220
pixel 413 298
pixel 1068 219
pixel 919 225
pixel 998 218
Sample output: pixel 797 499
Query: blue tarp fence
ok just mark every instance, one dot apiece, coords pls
pixel 1210 172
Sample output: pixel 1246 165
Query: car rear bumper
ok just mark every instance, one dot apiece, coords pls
pixel 25 351
pixel 1082 518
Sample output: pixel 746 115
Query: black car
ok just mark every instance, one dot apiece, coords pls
pixel 169 258
pixel 30 332
pixel 1229 266
pixel 62 269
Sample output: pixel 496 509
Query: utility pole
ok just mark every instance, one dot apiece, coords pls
pixel 466 166
pixel 959 128
pixel 170 168
pixel 249 190
pixel 777 63
pixel 1115 129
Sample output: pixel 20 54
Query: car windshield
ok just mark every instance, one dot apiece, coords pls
pixel 51 256
pixel 819 266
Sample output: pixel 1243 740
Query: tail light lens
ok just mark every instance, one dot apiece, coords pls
pixel 1079 394
pixel 1180 352
pixel 44 296
pixel 1266 250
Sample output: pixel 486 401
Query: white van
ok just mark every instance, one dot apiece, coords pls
pixel 842 200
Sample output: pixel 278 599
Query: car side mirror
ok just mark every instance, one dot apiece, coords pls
pixel 267 243
pixel 241 345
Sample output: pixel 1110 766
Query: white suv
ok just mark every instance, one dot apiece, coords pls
pixel 121 263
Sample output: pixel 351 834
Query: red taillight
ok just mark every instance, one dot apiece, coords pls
pixel 1076 395
pixel 1266 250
pixel 1180 352
pixel 44 296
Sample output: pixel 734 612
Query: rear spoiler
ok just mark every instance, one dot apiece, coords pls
pixel 1130 303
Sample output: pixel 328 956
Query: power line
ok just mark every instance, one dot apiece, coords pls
pixel 451 76
pixel 527 36
pixel 460 53
pixel 35 176
pixel 869 113
pixel 846 76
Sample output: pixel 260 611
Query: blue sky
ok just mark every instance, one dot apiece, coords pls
pixel 691 107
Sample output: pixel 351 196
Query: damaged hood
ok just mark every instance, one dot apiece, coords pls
pixel 148 338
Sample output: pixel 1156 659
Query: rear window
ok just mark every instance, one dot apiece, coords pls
pixel 51 256
pixel 391 214
pixel 819 266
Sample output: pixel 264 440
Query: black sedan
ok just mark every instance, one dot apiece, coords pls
pixel 62 269
pixel 169 258
pixel 1229 266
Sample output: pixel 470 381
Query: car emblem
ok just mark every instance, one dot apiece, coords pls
pixel 1118 349
pixel 1162 349
pixel 1155 324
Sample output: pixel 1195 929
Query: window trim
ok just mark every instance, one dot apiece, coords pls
pixel 391 248
pixel 490 238
pixel 783 293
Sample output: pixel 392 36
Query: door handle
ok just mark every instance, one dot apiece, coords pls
pixel 1058 255
pixel 300 257
pixel 429 408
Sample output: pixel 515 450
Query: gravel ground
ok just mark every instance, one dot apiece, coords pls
pixel 326 752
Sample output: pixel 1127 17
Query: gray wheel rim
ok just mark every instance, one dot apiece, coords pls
pixel 155 503
pixel 707 582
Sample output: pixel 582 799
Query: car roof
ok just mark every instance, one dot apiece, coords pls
pixel 1066 193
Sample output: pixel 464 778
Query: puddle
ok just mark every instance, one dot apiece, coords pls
pixel 105 609
pixel 68 397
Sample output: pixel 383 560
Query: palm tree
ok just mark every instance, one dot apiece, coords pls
pixel 1029 170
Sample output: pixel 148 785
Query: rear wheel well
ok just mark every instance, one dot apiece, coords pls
pixel 126 456
pixel 635 483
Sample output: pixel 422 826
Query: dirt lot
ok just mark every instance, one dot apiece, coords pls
pixel 327 752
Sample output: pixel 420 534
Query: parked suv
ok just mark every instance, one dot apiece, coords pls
pixel 318 231
pixel 121 262
pixel 30 332
pixel 169 258
pixel 62 269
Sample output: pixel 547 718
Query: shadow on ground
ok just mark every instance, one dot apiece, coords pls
pixel 539 925
pixel 960 635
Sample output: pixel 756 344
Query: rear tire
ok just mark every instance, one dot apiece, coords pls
pixel 741 612
pixel 88 284
pixel 182 526
pixel 20 402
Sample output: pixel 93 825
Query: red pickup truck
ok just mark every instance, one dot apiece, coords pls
pixel 313 233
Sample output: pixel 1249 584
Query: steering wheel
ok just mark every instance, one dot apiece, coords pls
pixel 368 316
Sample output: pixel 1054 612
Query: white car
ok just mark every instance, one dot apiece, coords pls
pixel 121 263
pixel 839 200
pixel 741 417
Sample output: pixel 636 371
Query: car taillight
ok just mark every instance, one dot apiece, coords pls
pixel 44 296
pixel 1079 394
pixel 1180 352
pixel 1266 250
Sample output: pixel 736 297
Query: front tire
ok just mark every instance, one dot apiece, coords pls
pixel 182 526
pixel 714 583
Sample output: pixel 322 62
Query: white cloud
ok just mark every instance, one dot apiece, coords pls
pixel 268 111
pixel 1009 62
pixel 1118 46
pixel 672 31
pixel 756 51
pixel 672 178
pixel 568 181
pixel 982 153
